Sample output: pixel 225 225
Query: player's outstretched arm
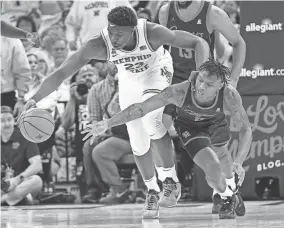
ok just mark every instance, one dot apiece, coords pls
pixel 92 49
pixel 233 103
pixel 220 21
pixel 159 35
pixel 171 95
pixel 174 94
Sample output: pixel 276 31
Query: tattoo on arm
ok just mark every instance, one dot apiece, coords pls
pixel 233 102
pixel 133 112
pixel 174 94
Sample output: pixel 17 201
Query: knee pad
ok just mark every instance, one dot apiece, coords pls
pixel 153 121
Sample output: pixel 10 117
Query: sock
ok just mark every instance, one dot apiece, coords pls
pixel 214 192
pixel 231 182
pixel 172 173
pixel 161 174
pixel 226 193
pixel 152 184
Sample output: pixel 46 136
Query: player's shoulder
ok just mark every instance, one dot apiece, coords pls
pixel 216 14
pixel 231 95
pixel 164 14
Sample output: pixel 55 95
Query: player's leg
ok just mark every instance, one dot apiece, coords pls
pixel 196 141
pixel 220 136
pixel 140 144
pixel 160 78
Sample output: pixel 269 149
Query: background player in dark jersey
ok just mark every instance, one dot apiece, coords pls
pixel 198 109
pixel 207 21
pixel 10 31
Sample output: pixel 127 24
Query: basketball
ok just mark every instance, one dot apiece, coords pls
pixel 37 125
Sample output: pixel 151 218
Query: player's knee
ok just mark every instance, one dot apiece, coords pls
pixel 153 123
pixel 140 152
pixel 208 161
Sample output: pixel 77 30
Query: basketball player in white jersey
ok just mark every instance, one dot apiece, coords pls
pixel 144 69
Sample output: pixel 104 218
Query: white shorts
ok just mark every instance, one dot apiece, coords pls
pixel 136 90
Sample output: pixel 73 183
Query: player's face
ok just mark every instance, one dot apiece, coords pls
pixel 7 123
pixel 120 35
pixel 207 87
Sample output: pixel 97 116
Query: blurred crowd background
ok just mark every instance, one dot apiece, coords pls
pixel 63 27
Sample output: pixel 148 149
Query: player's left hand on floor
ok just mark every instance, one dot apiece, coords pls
pixel 238 169
pixel 95 130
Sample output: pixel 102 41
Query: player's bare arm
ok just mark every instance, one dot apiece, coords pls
pixel 233 104
pixel 159 35
pixel 163 14
pixel 220 21
pixel 174 94
pixel 93 49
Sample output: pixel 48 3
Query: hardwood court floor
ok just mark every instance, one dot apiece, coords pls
pixel 262 214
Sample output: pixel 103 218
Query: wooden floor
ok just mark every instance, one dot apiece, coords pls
pixel 259 214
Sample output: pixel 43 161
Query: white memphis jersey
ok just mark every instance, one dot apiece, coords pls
pixel 139 61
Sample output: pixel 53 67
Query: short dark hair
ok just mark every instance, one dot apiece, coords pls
pixel 122 16
pixel 213 67
pixel 28 19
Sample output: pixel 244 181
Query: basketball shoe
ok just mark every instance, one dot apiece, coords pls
pixel 229 205
pixel 217 203
pixel 171 193
pixel 151 207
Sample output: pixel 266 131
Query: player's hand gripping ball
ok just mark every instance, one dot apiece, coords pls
pixel 36 125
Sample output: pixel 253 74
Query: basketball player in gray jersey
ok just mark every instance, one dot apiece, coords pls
pixel 207 21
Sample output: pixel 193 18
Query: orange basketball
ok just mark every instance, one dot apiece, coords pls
pixel 37 125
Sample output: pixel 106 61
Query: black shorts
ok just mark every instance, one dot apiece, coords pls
pixel 197 135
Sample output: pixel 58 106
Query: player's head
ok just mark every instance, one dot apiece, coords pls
pixel 7 120
pixel 211 78
pixel 121 23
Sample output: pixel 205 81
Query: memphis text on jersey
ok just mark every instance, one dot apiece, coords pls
pixel 134 64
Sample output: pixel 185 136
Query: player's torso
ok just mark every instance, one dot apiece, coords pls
pixel 184 59
pixel 140 60
pixel 192 112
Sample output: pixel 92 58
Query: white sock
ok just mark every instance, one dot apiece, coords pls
pixel 172 173
pixel 231 182
pixel 226 193
pixel 161 174
pixel 214 192
pixel 152 184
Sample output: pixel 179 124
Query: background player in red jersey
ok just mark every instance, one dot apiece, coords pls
pixel 198 109
pixel 207 21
